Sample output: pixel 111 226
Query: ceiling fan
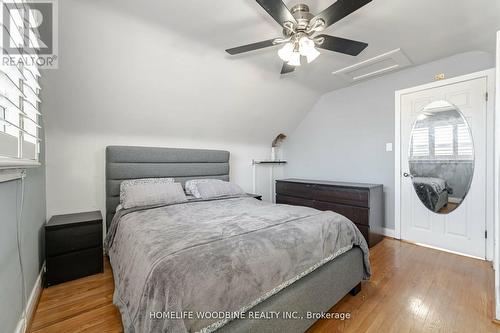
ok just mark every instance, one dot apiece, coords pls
pixel 299 32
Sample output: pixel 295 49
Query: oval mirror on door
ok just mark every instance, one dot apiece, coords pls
pixel 441 157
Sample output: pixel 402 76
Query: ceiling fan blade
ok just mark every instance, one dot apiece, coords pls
pixel 253 46
pixel 278 10
pixel 341 45
pixel 339 10
pixel 287 68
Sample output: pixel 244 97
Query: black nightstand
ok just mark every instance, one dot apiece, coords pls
pixel 73 247
pixel 256 196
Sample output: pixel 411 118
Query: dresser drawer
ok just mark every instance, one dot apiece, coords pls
pixel 365 231
pixel 358 215
pixel 287 200
pixel 340 195
pixel 295 189
pixel 74 265
pixel 69 239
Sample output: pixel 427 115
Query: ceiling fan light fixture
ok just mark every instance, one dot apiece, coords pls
pixel 308 49
pixel 312 54
pixel 299 35
pixel 285 53
pixel 294 59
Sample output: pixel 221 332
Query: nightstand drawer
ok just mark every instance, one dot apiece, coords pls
pixel 80 237
pixel 74 265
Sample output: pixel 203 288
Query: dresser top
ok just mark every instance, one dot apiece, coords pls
pixel 331 183
pixel 72 219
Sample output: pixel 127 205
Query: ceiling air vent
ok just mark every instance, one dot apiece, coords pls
pixel 378 65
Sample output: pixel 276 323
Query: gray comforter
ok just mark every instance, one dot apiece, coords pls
pixel 221 255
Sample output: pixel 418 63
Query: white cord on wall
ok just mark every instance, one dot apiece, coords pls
pixel 18 225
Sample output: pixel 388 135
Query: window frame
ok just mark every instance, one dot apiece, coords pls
pixel 24 146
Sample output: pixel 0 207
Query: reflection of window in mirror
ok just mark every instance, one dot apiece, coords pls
pixel 465 149
pixel 420 147
pixel 439 141
pixel 443 140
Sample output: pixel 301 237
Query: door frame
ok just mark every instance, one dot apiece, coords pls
pixel 492 150
pixel 496 261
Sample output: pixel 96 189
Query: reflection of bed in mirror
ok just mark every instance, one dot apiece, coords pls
pixel 433 192
pixel 441 185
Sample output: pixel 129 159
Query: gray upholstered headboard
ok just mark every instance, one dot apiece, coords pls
pixel 123 162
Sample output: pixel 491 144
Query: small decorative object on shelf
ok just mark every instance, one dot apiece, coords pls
pixel 73 247
pixel 275 150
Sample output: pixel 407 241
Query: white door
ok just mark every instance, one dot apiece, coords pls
pixel 462 230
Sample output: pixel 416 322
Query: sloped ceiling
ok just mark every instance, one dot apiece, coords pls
pixel 159 67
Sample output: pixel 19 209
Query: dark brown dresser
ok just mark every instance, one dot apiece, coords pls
pixel 363 204
pixel 73 247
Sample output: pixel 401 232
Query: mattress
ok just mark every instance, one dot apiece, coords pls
pixel 194 267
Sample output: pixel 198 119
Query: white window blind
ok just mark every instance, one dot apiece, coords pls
pixel 443 140
pixel 420 142
pixel 19 100
pixel 465 147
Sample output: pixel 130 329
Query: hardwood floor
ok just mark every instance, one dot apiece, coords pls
pixel 413 289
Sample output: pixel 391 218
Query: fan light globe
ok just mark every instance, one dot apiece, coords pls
pixel 294 59
pixel 308 49
pixel 285 53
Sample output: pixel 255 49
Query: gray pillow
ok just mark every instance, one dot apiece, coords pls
pixel 216 189
pixel 143 181
pixel 153 194
pixel 191 186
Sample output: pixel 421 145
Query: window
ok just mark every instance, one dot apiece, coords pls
pixel 19 104
pixel 464 142
pixel 420 142
pixel 443 140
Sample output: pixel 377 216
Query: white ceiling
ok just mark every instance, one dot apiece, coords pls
pixel 158 67
pixel 425 30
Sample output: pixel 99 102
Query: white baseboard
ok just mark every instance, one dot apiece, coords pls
pixel 22 325
pixel 389 232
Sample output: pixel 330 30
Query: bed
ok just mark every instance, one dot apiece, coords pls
pixel 227 264
pixel 433 192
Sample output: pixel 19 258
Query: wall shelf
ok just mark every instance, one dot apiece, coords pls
pixel 270 165
pixel 255 162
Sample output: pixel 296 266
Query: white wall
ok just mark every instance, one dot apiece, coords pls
pixel 32 243
pixel 130 75
pixel 75 166
pixel 344 136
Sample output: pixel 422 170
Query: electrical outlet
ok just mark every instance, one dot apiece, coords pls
pixel 388 147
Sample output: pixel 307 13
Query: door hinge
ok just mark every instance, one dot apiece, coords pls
pixel 486 234
pixel 487 96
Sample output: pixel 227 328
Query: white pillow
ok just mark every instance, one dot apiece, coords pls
pixel 217 189
pixel 191 186
pixel 144 181
pixel 152 194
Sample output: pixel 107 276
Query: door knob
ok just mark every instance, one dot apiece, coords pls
pixel 407 175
